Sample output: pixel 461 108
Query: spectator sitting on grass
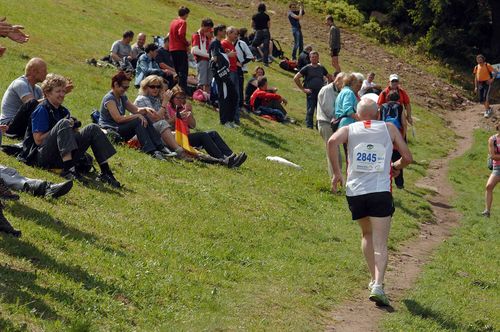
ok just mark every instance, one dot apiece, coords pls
pixel 113 116
pixel 164 60
pixel 58 140
pixel 211 141
pixel 138 48
pixel 304 57
pixel 148 66
pixel 152 94
pixel 252 84
pixel 121 48
pixel 268 103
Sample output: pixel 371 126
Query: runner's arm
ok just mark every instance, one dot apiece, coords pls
pixel 338 138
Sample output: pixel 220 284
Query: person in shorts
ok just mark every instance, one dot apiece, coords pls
pixel 368 187
pixel 334 42
pixel 494 151
pixel 484 74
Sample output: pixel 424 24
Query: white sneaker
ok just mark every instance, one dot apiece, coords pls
pixel 370 285
pixel 228 125
pixel 488 113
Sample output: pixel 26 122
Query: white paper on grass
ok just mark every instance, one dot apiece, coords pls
pixel 283 161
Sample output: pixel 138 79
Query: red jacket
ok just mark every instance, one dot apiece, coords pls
pixel 262 97
pixel 227 45
pixel 177 37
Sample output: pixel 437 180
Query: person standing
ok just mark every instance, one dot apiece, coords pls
pixel 494 152
pixel 200 42
pixel 484 75
pixel 244 55
pixel 368 186
pixel 229 47
pixel 315 76
pixel 334 42
pixel 404 99
pixel 261 22
pixel 226 91
pixel 295 14
pixel 326 111
pixel 179 46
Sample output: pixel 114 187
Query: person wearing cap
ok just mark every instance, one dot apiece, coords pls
pixel 404 100
pixel 200 42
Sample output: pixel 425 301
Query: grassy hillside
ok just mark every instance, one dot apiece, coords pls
pixel 182 246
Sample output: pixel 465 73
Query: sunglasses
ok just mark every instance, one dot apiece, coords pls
pixel 125 87
pixel 394 81
pixel 154 86
pixel 180 97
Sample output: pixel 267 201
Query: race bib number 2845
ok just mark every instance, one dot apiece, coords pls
pixel 368 157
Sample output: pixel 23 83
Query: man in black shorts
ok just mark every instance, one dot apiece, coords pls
pixel 334 42
pixel 261 22
pixel 368 186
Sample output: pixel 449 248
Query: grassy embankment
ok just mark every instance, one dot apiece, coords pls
pixel 182 245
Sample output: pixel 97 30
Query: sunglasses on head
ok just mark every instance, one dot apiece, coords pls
pixel 154 86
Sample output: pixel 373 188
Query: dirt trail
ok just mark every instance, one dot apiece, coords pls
pixel 448 101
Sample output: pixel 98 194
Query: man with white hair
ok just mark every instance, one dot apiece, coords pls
pixel 368 187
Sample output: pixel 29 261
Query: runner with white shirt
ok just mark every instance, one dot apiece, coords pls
pixel 368 186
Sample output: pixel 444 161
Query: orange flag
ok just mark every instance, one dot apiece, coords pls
pixel 181 136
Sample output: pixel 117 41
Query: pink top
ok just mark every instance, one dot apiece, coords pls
pixel 495 146
pixel 172 113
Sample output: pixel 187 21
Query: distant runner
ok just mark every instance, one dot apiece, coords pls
pixel 484 74
pixel 368 187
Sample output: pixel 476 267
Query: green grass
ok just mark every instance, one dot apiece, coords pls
pixel 459 290
pixel 183 246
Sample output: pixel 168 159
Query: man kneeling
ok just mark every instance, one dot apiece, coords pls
pixel 58 140
pixel 368 187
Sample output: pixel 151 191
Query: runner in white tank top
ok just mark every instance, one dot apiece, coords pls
pixel 370 149
pixel 369 146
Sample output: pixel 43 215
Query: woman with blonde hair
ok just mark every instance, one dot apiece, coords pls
pixel 154 95
pixel 347 100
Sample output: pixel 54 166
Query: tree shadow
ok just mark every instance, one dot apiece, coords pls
pixel 417 309
pixel 410 212
pixel 266 138
pixel 46 220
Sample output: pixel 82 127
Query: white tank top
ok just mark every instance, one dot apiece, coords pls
pixel 369 149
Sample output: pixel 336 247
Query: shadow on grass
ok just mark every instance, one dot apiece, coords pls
pixel 20 288
pixel 266 138
pixel 25 250
pixel 412 213
pixel 46 220
pixel 417 309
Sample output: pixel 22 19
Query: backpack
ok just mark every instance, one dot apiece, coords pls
pixel 277 50
pixel 288 65
pixel 391 112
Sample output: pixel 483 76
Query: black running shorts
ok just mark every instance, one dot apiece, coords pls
pixel 483 89
pixel 378 204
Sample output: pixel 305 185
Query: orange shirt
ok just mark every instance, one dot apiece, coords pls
pixel 482 72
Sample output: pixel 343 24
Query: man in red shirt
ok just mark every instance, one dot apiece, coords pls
pixel 403 96
pixel 264 102
pixel 199 48
pixel 228 45
pixel 179 46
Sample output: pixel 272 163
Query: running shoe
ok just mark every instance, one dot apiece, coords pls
pixel 370 285
pixel 488 113
pixel 378 296
pixel 486 213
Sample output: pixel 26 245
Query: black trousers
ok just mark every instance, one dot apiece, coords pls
pixel 262 37
pixel 20 122
pixel 227 97
pixel 181 65
pixel 63 139
pixel 211 142
pixel 149 138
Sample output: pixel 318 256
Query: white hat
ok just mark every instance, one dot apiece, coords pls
pixel 393 77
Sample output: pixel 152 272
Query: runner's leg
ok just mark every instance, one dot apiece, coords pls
pixel 367 244
pixel 380 234
pixel 490 185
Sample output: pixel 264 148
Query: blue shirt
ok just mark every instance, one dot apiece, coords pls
pixel 40 118
pixel 145 67
pixel 105 119
pixel 295 23
pixel 345 104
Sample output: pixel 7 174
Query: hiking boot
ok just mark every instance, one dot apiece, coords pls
pixel 6 193
pixel 157 155
pixel 488 113
pixel 109 179
pixel 55 190
pixel 378 296
pixel 486 213
pixel 230 161
pixel 6 227
pixel 240 159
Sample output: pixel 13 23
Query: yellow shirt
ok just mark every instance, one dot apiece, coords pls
pixel 482 72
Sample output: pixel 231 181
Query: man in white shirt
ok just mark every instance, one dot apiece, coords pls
pixel 369 86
